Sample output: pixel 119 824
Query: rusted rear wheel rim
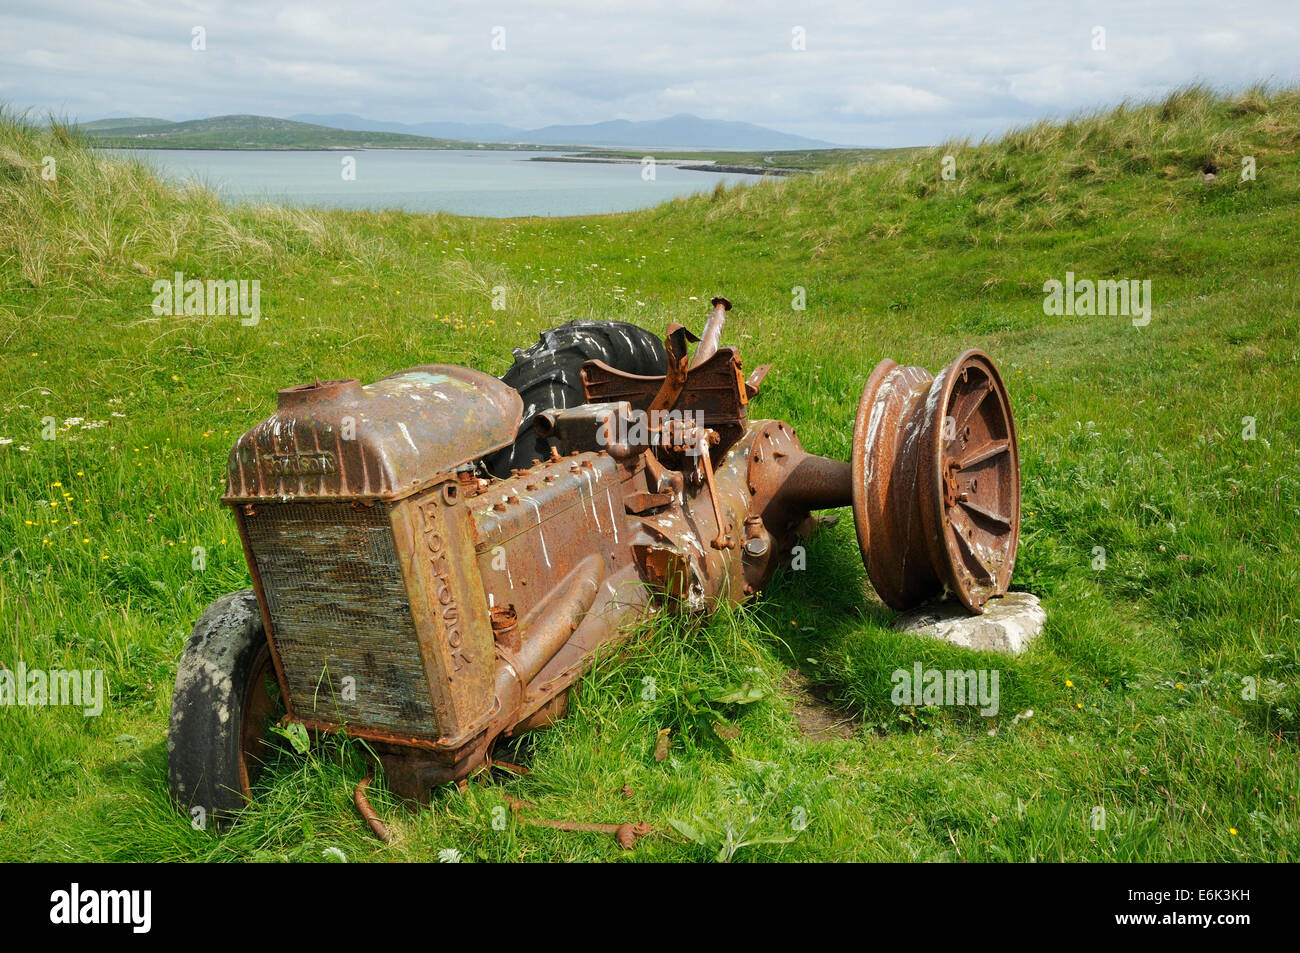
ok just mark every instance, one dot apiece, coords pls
pixel 884 473
pixel 970 480
pixel 262 707
pixel 936 482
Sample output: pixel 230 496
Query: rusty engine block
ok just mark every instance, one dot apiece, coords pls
pixel 460 608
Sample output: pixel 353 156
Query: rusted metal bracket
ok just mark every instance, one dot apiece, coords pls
pixel 678 367
pixel 363 806
pixel 625 834
pixel 723 540
pixel 755 380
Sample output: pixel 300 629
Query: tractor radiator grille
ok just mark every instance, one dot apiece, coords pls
pixel 339 610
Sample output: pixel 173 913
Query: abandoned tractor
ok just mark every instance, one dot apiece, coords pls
pixel 436 556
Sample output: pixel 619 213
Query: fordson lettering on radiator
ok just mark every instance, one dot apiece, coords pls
pixel 303 463
pixel 441 571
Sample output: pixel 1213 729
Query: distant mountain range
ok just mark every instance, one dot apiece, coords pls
pixel 344 131
pixel 250 132
pixel 680 131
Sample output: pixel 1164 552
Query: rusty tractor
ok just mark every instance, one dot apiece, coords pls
pixel 406 594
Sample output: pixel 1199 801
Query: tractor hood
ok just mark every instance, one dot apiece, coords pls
pixel 339 440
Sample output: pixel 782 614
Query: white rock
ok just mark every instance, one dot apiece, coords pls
pixel 1009 623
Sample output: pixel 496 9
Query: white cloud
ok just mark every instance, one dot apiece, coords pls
pixel 1223 41
pixel 869 75
pixel 891 99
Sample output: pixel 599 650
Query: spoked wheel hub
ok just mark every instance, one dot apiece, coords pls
pixel 936 482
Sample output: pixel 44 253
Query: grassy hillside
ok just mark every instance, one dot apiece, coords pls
pixel 249 132
pixel 1132 440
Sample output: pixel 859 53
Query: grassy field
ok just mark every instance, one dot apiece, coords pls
pixel 1165 690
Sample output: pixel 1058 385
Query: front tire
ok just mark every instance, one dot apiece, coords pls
pixel 225 701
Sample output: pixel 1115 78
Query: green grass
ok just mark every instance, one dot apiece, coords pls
pixel 1131 439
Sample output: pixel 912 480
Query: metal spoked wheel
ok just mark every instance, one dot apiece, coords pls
pixel 970 481
pixel 936 482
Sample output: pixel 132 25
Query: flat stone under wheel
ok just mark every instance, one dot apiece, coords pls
pixel 936 482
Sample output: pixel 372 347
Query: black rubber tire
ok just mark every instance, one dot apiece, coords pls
pixel 548 375
pixel 208 763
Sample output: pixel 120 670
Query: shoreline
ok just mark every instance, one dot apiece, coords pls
pixel 177 148
pixel 692 165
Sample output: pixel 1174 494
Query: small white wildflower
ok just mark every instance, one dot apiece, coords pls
pixel 4 441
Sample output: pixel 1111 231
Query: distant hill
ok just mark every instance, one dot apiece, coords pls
pixel 468 131
pixel 125 126
pixel 250 132
pixel 345 131
pixel 682 131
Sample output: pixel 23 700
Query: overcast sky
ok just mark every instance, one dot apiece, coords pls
pixel 871 74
